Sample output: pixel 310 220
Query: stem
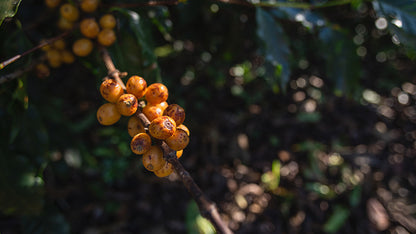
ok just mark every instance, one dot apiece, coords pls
pixel 206 207
pixel 16 57
pixel 300 5
pixel 145 4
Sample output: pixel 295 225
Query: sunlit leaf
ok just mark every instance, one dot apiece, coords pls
pixel 195 223
pixel 8 8
pixel 275 44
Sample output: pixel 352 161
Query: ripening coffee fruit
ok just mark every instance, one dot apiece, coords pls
pixel 59 44
pixel 179 153
pixel 166 170
pixel 65 24
pixel 183 127
pixel 52 3
pixel 176 112
pixel 89 27
pixel 136 85
pixel 108 114
pixel 107 21
pixel 111 90
pixel 106 37
pixel 140 143
pixel 153 159
pixel 156 93
pixel 178 141
pixel 82 47
pixel 127 104
pixel 89 5
pixel 69 12
pixel 135 126
pixel 54 58
pixel 67 57
pixel 42 70
pixel 162 127
pixel 152 111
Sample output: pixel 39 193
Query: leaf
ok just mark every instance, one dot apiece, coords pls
pixel 276 44
pixel 8 8
pixel 342 62
pixel 405 12
pixel 195 223
pixel 337 219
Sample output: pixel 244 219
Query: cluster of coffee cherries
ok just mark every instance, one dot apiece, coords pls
pixel 166 120
pixel 91 25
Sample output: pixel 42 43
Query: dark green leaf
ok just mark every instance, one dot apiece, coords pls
pixel 8 8
pixel 337 219
pixel 275 44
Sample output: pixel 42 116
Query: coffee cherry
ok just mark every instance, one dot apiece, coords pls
pixel 183 127
pixel 111 90
pixel 156 93
pixel 176 112
pixel 89 5
pixel 140 143
pixel 162 127
pixel 178 141
pixel 179 153
pixel 136 85
pixel 153 159
pixel 65 24
pixel 166 170
pixel 152 111
pixel 163 105
pixel 67 57
pixel 82 47
pixel 89 27
pixel 42 70
pixel 135 126
pixel 108 114
pixel 106 37
pixel 52 3
pixel 107 21
pixel 127 104
pixel 59 44
pixel 54 58
pixel 69 12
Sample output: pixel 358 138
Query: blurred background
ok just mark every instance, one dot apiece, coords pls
pixel 302 117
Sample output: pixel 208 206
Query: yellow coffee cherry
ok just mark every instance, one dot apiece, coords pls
pixel 89 5
pixel 108 114
pixel 69 12
pixel 52 3
pixel 54 58
pixel 106 37
pixel 111 90
pixel 153 159
pixel 82 47
pixel 166 170
pixel 178 141
pixel 67 56
pixel 140 143
pixel 89 27
pixel 107 21
pixel 162 127
pixel 135 126
pixel 42 70
pixel 59 44
pixel 64 24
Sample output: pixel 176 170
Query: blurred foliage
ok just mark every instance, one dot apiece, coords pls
pixel 254 78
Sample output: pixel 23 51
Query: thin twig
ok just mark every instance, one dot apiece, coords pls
pixel 112 71
pixel 17 73
pixel 291 4
pixel 144 4
pixel 16 57
pixel 207 208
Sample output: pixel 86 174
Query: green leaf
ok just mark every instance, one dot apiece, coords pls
pixel 8 8
pixel 342 62
pixel 276 44
pixel 195 223
pixel 337 219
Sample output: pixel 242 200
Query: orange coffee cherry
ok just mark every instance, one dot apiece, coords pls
pixel 52 3
pixel 127 104
pixel 179 153
pixel 65 24
pixel 152 111
pixel 106 37
pixel 107 21
pixel 54 58
pixel 136 85
pixel 69 12
pixel 108 114
pixel 111 90
pixel 163 105
pixel 140 143
pixel 59 44
pixel 153 159
pixel 82 47
pixel 166 170
pixel 89 27
pixel 42 70
pixel 178 141
pixel 162 127
pixel 176 112
pixel 156 93
pixel 183 127
pixel 89 5
pixel 135 126
pixel 67 57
